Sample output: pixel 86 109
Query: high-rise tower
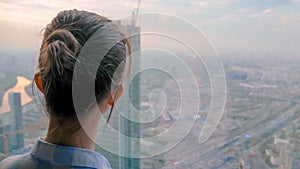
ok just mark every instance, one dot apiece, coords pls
pixel 128 126
pixel 116 146
pixel 16 121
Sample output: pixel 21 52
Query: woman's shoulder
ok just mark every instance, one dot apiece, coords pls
pixel 14 162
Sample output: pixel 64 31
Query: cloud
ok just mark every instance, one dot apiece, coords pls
pixel 211 16
pixel 230 17
pixel 41 12
pixel 256 15
pixel 283 20
pixel 200 3
pixel 241 10
pixel 266 11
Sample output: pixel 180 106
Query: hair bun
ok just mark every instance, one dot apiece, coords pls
pixel 66 37
pixel 62 51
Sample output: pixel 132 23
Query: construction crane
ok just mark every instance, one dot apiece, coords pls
pixel 40 125
pixel 135 14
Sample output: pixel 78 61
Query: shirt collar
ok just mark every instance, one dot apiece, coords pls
pixel 67 156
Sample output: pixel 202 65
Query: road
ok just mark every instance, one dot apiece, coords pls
pixel 261 129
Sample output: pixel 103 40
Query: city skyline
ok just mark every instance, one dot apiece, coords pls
pixel 248 59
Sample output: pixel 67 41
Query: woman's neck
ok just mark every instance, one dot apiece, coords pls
pixel 68 133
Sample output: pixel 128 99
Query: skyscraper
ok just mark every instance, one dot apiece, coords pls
pixel 16 121
pixel 129 127
pixel 116 144
pixel 4 128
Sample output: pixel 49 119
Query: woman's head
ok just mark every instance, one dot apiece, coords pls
pixel 63 40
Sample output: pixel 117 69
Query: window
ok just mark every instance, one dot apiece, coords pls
pixel 214 84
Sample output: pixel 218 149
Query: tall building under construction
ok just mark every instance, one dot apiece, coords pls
pixel 119 147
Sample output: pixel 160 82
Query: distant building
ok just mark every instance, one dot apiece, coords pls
pixel 237 75
pixel 4 128
pixel 280 141
pixel 16 122
pixel 288 154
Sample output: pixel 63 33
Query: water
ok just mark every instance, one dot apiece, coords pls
pixel 22 82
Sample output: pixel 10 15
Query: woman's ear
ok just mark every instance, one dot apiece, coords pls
pixel 38 82
pixel 114 97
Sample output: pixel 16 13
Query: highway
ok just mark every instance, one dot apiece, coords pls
pixel 261 129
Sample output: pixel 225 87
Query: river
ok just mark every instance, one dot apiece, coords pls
pixel 22 82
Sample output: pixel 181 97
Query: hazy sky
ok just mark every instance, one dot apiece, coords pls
pixel 234 26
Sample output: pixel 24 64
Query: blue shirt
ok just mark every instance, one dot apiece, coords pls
pixel 44 155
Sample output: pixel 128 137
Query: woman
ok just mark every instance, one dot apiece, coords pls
pixel 67 143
